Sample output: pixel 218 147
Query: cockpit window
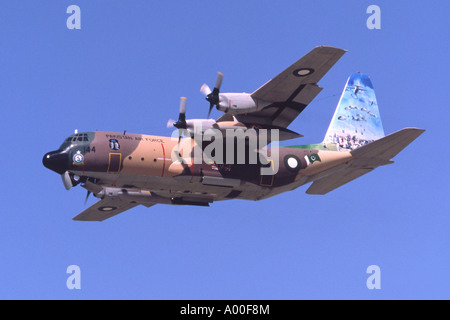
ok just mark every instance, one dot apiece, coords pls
pixel 79 137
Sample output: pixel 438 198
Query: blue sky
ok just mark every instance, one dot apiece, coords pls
pixel 126 70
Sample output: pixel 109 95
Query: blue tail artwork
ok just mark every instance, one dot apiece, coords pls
pixel 356 120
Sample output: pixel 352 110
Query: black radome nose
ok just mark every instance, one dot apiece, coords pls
pixel 56 161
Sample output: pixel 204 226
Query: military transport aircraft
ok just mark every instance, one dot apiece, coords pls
pixel 125 170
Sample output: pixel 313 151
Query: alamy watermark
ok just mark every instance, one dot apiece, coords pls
pixel 374 20
pixel 229 146
pixel 374 280
pixel 74 20
pixel 74 280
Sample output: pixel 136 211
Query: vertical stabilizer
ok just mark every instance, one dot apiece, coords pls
pixel 356 120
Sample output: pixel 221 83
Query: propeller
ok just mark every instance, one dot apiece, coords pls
pixel 92 188
pixel 181 123
pixel 212 96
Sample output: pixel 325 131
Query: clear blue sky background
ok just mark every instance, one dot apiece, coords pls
pixel 126 70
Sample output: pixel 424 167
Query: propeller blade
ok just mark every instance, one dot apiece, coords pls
pixel 218 81
pixel 183 105
pixel 66 180
pixel 181 123
pixel 87 196
pixel 210 109
pixel 170 123
pixel 205 90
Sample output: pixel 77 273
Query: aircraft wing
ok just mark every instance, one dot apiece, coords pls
pixel 293 89
pixel 107 208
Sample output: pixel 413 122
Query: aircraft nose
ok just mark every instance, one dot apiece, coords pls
pixel 57 161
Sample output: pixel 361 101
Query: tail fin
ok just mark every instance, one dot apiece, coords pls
pixel 356 120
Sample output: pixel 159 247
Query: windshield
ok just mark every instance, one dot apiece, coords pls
pixel 79 137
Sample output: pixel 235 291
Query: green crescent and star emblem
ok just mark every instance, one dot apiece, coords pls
pixel 311 158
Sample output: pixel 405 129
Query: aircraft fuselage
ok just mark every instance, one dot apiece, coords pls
pixel 155 163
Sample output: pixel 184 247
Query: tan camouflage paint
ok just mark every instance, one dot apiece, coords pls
pixel 146 159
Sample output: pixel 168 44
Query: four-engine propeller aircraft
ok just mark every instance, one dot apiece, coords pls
pixel 126 170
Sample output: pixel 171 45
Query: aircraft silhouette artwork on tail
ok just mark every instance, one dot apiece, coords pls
pixel 235 156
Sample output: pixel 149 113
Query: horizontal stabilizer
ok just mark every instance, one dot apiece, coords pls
pixel 367 158
pixel 334 181
pixel 389 146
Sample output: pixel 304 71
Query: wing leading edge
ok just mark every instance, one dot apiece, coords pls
pixel 293 89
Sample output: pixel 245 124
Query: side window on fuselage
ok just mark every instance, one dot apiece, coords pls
pixel 114 144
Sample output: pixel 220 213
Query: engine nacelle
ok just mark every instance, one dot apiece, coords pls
pixel 237 103
pixel 199 124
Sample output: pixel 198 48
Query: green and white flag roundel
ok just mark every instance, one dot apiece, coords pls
pixel 310 158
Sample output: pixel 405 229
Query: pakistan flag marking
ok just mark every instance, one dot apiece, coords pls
pixel 310 158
